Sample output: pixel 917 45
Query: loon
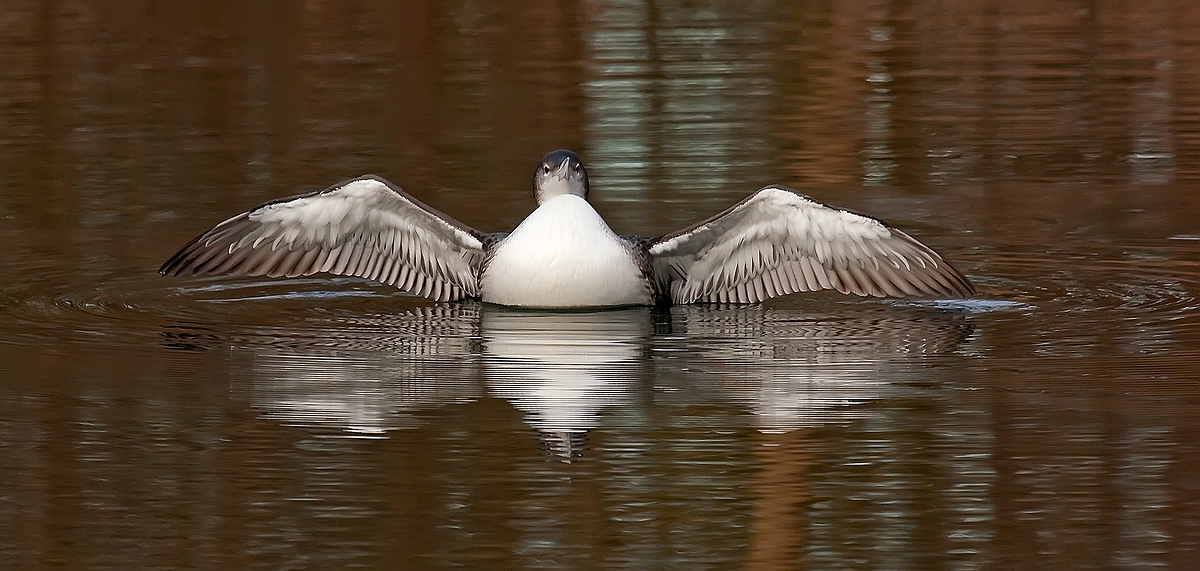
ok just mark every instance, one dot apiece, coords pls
pixel 563 255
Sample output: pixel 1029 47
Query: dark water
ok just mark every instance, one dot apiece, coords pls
pixel 1051 150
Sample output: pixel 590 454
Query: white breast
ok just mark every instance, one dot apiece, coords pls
pixel 563 255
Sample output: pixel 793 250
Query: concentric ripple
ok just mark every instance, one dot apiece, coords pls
pixel 131 308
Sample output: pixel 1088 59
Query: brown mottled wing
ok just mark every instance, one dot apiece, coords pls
pixel 778 242
pixel 366 227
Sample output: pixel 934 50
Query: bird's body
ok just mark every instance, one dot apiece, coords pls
pixel 773 243
pixel 564 255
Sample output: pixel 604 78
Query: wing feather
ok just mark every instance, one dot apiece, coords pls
pixel 778 241
pixel 319 263
pixel 364 227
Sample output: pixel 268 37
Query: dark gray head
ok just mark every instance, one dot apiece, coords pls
pixel 560 172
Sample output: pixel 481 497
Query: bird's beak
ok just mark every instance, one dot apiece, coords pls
pixel 563 169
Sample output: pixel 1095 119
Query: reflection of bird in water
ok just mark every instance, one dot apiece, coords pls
pixel 773 243
pixel 372 373
pixel 796 370
pixel 563 370
pixel 565 444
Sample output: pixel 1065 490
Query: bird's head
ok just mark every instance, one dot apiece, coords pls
pixel 560 172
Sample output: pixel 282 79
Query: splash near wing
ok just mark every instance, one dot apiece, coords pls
pixel 366 227
pixel 778 242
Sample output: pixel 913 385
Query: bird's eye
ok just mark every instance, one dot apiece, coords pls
pixel 577 168
pixel 545 169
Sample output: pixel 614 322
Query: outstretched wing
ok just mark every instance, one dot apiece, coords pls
pixel 365 227
pixel 778 241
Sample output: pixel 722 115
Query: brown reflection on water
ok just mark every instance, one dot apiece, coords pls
pixel 1049 150
pixel 777 534
pixel 954 93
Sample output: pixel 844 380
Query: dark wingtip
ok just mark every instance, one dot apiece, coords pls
pixel 970 290
pixel 183 258
pixel 170 268
pixel 964 289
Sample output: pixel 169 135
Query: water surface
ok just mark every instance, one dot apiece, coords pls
pixel 1048 150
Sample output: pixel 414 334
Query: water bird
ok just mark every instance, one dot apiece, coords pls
pixel 563 255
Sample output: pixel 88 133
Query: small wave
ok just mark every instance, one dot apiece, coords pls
pixel 974 305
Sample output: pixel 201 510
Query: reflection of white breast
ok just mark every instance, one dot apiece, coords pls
pixel 561 369
pixel 563 255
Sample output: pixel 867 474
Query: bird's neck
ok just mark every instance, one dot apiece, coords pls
pixel 554 188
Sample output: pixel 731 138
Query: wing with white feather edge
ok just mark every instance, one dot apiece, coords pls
pixel 778 241
pixel 365 227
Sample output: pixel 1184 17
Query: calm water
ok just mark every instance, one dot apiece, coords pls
pixel 1051 150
